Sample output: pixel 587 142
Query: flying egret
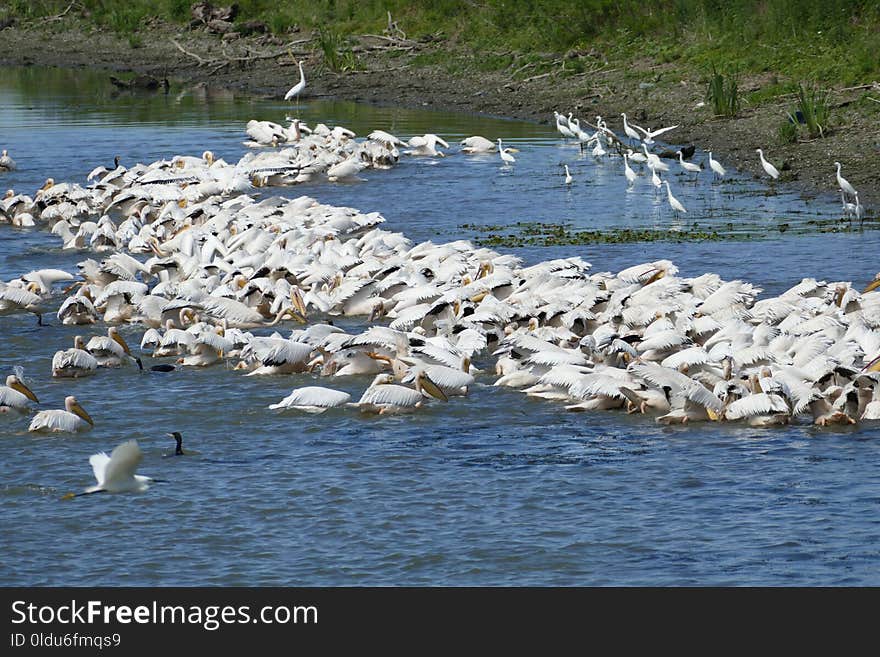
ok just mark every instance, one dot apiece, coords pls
pixel 650 134
pixel 718 170
pixel 771 170
pixel 296 89
pixel 844 183
pixel 115 473
pixel 673 202
pixel 568 177
pixel 506 157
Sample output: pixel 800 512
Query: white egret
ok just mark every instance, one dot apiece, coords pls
pixel 568 178
pixel 72 419
pixel 632 134
pixel 718 170
pixel 655 179
pixel 673 202
pixel 687 166
pixel 627 170
pixel 506 157
pixel 650 134
pixel 115 473
pixel 844 183
pixel 771 170
pixel 296 89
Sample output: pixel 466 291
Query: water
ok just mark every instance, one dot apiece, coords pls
pixel 491 489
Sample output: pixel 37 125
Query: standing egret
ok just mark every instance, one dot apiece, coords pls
pixel 673 202
pixel 655 179
pixel 687 166
pixel 627 170
pixel 632 134
pixel 115 473
pixel 771 170
pixel 296 89
pixel 568 177
pixel 844 183
pixel 718 170
pixel 506 157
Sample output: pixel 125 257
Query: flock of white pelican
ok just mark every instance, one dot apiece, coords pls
pixel 212 268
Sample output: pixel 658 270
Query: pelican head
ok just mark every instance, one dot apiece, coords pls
pixel 72 406
pixel 208 157
pixel 114 335
pixel 15 383
pixel 874 284
pixel 425 385
pixel 79 342
pixel 49 182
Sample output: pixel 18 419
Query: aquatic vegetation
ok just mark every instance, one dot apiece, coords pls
pixel 812 109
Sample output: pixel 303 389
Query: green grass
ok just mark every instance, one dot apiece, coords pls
pixel 813 105
pixel 830 41
pixel 723 93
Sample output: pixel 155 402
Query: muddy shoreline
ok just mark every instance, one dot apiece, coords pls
pixel 651 94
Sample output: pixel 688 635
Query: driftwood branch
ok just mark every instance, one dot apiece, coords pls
pixel 58 17
pixel 219 63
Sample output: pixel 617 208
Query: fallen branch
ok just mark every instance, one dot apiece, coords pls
pixel 199 59
pixel 538 77
pixel 58 17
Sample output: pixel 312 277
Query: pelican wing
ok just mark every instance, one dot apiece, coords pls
pixel 59 421
pixel 234 312
pixel 390 394
pixel 756 404
pixel 688 357
pixel 79 359
pixel 287 352
pixel 18 296
pixel 313 396
pixel 692 390
pixel 446 378
pixel 13 398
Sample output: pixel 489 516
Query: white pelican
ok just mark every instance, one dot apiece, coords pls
pixel 313 399
pixel 16 299
pixel 384 396
pixel 110 350
pixel 346 169
pixel 771 170
pixel 477 144
pixel 74 362
pixel 426 145
pixel 115 473
pixel 73 419
pixel 6 162
pixel 16 396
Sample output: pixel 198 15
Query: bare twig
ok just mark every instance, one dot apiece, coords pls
pixel 538 77
pixel 199 59
pixel 58 17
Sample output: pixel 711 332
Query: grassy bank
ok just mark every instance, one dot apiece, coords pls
pixel 832 42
